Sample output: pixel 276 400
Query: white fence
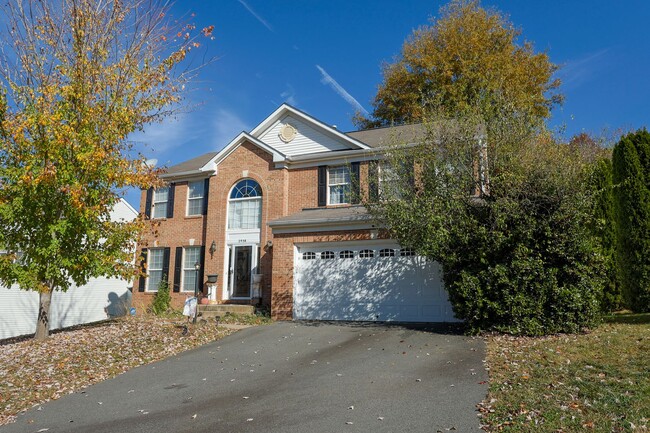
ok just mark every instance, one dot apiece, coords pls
pixel 99 299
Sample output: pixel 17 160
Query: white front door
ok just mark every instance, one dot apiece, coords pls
pixel 243 261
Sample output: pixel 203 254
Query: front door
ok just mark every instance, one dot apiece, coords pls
pixel 241 271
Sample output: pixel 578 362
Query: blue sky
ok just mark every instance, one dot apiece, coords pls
pixel 324 57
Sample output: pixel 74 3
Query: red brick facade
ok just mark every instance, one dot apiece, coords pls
pixel 284 192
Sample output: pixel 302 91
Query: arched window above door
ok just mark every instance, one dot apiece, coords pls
pixel 246 188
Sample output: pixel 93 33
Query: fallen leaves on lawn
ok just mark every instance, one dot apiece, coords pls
pixel 34 372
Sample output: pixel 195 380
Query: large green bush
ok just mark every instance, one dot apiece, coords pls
pixel 519 258
pixel 604 228
pixel 631 167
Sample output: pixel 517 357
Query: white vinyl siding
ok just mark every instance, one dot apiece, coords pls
pixel 191 256
pixel 338 185
pixel 155 268
pixel 308 139
pixel 195 192
pixel 160 197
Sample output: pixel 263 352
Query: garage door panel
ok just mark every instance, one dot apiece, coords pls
pixel 394 288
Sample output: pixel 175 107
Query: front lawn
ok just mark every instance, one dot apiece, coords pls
pixel 593 382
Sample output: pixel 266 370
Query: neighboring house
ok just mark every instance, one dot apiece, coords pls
pixel 271 215
pixel 99 299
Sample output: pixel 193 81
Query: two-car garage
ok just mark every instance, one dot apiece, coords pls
pixel 367 281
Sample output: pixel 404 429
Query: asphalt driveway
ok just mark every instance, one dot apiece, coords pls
pixel 288 377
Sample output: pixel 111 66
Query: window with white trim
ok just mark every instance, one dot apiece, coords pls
pixel 155 259
pixel 407 252
pixel 245 205
pixel 160 198
pixel 387 252
pixel 195 192
pixel 338 185
pixel 191 256
pixel 310 255
pixel 327 255
pixel 389 182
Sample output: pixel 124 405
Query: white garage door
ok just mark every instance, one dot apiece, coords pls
pixel 367 282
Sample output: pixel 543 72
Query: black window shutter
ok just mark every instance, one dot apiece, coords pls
pixel 206 188
pixel 178 269
pixel 143 269
pixel 170 200
pixel 165 265
pixel 201 260
pixel 355 187
pixel 410 167
pixel 322 185
pixel 373 181
pixel 147 203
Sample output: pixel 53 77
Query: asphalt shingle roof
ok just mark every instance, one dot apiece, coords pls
pixel 380 137
pixel 192 165
pixel 324 216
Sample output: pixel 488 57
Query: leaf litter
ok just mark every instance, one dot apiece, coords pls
pixel 32 373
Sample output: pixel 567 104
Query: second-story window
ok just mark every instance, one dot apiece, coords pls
pixel 195 193
pixel 338 183
pixel 160 199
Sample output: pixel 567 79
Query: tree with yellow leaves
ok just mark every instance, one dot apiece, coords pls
pixel 468 62
pixel 76 78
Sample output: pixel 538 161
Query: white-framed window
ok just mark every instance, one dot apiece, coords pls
pixel 155 258
pixel 160 199
pixel 191 256
pixel 195 194
pixel 388 181
pixel 338 185
pixel 309 255
pixel 387 252
pixel 327 255
pixel 407 252
pixel 245 205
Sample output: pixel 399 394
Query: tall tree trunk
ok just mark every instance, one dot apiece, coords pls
pixel 43 322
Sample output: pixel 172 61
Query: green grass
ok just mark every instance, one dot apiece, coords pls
pixel 246 319
pixel 594 382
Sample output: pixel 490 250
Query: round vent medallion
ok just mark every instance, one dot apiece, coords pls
pixel 287 133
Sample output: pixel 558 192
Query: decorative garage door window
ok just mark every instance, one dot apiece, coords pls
pixel 347 254
pixel 387 252
pixel 407 252
pixel 327 255
pixel 366 254
pixel 245 205
pixel 308 255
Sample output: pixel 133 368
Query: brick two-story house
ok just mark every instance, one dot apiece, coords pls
pixel 269 217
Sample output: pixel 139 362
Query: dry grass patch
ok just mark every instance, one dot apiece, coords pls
pixel 594 382
pixel 32 373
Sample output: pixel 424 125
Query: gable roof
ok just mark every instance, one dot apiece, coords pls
pixel 212 163
pixel 286 109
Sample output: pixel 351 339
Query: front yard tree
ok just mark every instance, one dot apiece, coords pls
pixel 469 60
pixel 77 77
pixel 631 166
